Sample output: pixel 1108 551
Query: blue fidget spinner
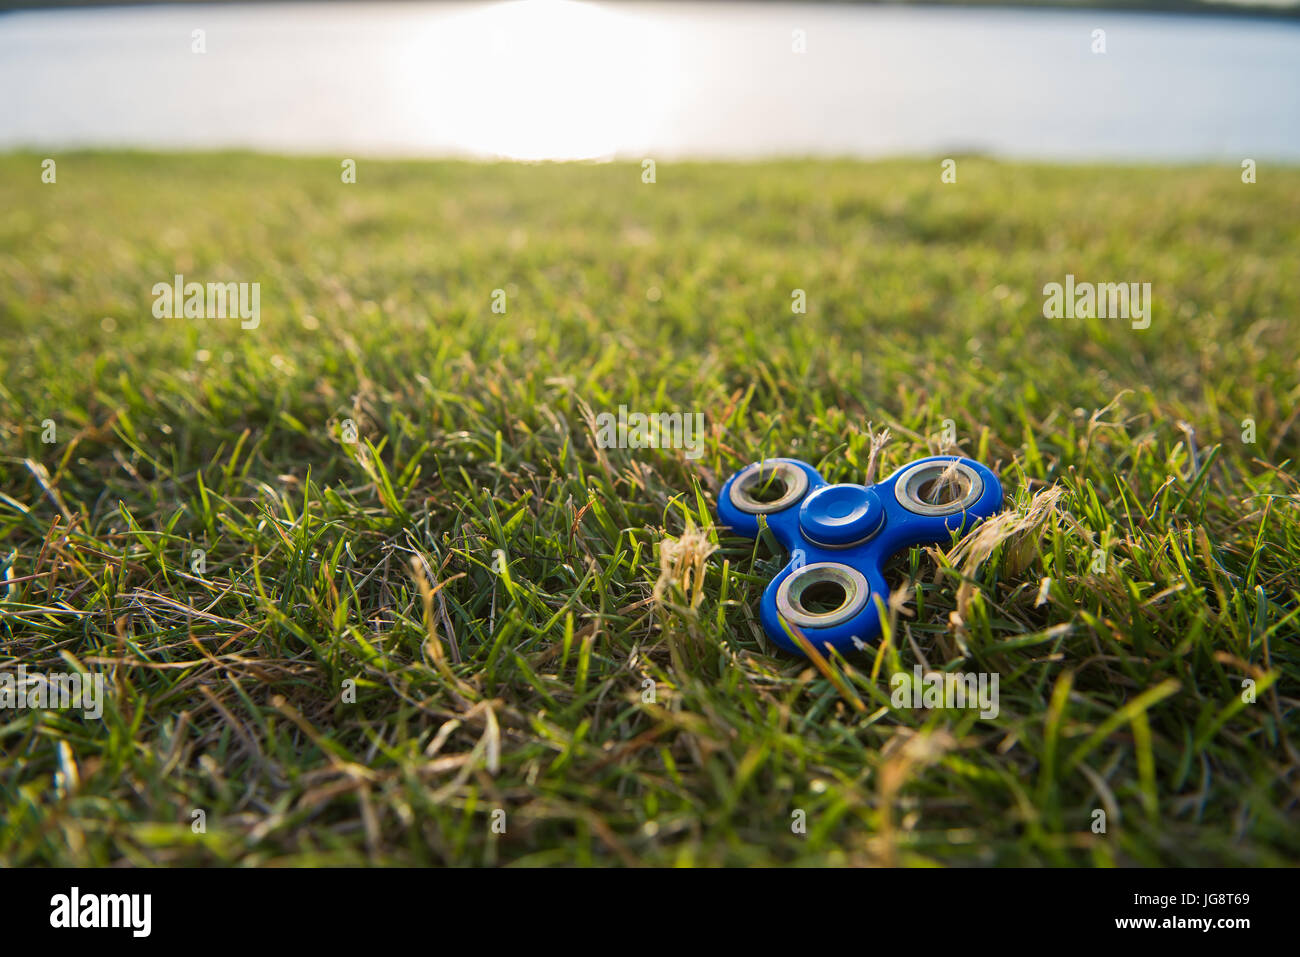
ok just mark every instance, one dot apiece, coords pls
pixel 840 536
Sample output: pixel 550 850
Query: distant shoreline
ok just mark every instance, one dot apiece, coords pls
pixel 1290 13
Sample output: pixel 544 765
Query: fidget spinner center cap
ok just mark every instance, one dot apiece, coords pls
pixel 838 516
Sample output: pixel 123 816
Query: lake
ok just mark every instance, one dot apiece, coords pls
pixel 543 79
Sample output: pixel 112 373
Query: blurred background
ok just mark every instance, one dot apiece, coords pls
pixel 552 79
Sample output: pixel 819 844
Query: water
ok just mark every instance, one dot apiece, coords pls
pixel 546 79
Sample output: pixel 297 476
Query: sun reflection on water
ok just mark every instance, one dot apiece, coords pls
pixel 543 80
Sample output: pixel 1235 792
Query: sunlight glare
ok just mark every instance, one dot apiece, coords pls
pixel 544 80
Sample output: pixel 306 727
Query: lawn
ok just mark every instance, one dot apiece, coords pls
pixel 473 636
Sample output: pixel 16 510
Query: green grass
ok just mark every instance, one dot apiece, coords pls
pixel 1121 687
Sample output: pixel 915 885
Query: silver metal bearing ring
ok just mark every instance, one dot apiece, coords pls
pixel 790 594
pixel 761 475
pixel 913 480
